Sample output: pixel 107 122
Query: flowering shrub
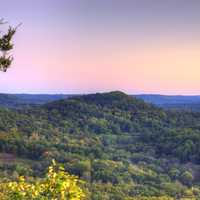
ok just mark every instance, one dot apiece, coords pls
pixel 57 185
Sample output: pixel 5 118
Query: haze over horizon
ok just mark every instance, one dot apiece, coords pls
pixel 90 46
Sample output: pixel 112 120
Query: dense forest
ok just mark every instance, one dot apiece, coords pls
pixel 122 147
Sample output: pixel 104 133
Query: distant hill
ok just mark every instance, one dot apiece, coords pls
pixel 167 99
pixel 191 103
pixel 24 100
pixel 172 102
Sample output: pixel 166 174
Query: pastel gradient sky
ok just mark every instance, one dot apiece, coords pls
pixel 84 46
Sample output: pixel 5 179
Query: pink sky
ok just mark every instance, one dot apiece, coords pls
pixel 67 47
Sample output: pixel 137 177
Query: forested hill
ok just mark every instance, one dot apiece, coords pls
pixel 187 103
pixel 178 102
pixel 121 146
pixel 113 101
pixel 25 100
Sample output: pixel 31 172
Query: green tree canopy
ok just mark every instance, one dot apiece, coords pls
pixel 6 45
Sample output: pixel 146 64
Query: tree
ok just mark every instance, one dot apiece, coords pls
pixel 57 184
pixel 187 178
pixel 5 46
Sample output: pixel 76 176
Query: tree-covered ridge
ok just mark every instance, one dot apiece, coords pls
pixel 175 102
pixel 21 101
pixel 122 147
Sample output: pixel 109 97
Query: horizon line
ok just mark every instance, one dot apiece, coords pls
pixel 86 93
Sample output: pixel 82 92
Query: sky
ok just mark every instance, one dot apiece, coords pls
pixel 87 46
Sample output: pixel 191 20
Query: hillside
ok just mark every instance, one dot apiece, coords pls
pixel 18 101
pixel 25 100
pixel 122 146
pixel 180 102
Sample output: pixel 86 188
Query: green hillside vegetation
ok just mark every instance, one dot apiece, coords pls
pixel 21 101
pixel 123 148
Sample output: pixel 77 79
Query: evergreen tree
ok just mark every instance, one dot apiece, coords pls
pixel 6 46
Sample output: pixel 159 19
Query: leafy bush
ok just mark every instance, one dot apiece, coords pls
pixel 57 185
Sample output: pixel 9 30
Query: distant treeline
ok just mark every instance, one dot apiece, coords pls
pixel 187 103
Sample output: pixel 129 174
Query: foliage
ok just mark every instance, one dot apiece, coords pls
pixel 120 146
pixel 5 46
pixel 57 184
